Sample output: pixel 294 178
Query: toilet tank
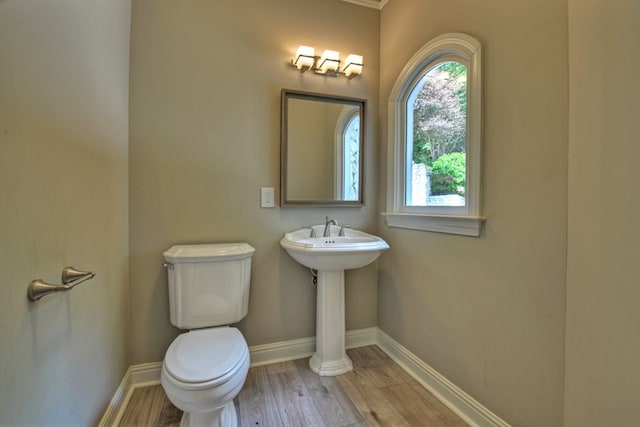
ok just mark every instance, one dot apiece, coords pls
pixel 208 284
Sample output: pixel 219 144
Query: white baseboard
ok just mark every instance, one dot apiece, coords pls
pixel 466 407
pixel 266 354
pixel 136 376
pixel 282 351
pixel 361 337
pixel 453 397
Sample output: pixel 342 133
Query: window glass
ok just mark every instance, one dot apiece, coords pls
pixel 436 140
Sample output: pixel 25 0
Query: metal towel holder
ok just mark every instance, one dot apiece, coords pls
pixel 70 278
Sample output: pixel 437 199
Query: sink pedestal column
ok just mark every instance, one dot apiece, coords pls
pixel 330 357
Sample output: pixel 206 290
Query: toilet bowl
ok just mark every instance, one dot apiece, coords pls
pixel 203 370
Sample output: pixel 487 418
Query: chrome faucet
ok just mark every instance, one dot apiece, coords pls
pixel 327 226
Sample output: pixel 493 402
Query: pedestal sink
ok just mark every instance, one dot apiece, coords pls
pixel 330 256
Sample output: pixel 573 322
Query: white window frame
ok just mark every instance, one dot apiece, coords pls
pixel 446 219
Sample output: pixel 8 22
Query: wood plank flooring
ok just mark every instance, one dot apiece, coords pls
pixel 376 393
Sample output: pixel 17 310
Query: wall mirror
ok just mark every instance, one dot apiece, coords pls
pixel 321 149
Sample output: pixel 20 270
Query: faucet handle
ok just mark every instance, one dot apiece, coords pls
pixel 341 232
pixel 313 232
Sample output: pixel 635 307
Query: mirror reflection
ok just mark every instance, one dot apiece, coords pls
pixel 321 149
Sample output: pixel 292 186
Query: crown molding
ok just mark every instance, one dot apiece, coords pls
pixel 374 4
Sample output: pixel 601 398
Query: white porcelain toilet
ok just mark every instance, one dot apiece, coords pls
pixel 205 368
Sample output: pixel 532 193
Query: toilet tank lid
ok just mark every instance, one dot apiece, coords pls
pixel 208 252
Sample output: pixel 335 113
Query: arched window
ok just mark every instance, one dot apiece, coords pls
pixel 435 122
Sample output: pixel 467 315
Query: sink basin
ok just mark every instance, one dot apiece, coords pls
pixel 335 253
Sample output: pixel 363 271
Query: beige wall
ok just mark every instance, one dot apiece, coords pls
pixel 488 312
pixel 205 128
pixel 63 186
pixel 603 296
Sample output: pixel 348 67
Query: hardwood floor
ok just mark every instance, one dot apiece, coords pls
pixel 376 393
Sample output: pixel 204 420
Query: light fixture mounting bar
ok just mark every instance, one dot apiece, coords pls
pixel 328 64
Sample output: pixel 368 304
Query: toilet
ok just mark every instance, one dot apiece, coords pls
pixel 205 368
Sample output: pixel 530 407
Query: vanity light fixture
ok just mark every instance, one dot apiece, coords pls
pixel 328 63
pixel 354 66
pixel 305 58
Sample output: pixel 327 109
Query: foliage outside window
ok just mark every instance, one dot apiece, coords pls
pixel 434 139
pixel 437 139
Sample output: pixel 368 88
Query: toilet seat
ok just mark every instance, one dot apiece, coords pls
pixel 208 356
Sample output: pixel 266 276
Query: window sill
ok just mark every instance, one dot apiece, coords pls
pixel 463 225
